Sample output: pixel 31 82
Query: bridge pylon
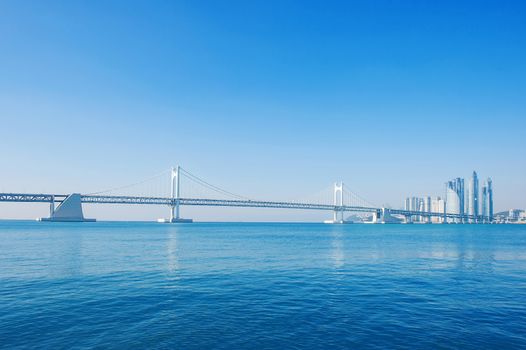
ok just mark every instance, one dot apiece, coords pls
pixel 338 206
pixel 175 195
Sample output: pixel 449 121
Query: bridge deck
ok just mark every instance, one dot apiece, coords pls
pixel 97 199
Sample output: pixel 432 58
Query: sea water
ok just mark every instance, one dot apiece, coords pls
pixel 261 286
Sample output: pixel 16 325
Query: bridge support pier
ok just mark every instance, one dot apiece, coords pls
pixel 383 216
pixel 70 210
pixel 52 206
pixel 174 215
pixel 335 220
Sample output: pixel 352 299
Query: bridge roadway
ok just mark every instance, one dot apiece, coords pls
pixel 96 199
pixel 99 199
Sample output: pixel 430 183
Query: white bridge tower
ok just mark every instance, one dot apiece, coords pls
pixel 338 205
pixel 175 195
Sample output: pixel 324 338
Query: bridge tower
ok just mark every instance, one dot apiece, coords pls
pixel 338 205
pixel 175 195
pixel 338 200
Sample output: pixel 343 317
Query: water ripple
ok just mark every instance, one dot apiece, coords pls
pixel 266 286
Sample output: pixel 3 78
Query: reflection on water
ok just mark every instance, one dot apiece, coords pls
pixel 338 248
pixel 40 250
pixel 68 256
pixel 171 250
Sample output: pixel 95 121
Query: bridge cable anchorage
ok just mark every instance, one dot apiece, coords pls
pixel 208 185
pixel 130 185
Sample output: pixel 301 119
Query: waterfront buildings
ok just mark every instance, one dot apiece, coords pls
pixel 438 205
pixel 418 204
pixel 510 216
pixel 457 201
pixel 412 204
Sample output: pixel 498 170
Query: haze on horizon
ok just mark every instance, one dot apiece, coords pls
pixel 269 99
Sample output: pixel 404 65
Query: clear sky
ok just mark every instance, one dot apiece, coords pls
pixel 270 99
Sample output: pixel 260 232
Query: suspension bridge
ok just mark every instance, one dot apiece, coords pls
pixel 198 192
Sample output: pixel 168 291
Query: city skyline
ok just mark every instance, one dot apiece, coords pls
pixel 339 200
pixel 96 95
pixel 458 201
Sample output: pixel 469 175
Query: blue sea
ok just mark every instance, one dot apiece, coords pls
pixel 261 286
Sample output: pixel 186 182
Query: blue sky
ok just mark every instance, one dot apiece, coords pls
pixel 265 98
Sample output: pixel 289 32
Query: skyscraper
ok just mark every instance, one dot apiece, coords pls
pixel 485 210
pixel 452 199
pixel 460 190
pixel 489 188
pixel 455 199
pixel 473 195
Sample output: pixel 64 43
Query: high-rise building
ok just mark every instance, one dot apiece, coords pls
pixel 415 203
pixel 427 208
pixel 418 204
pixel 460 190
pixel 476 194
pixel 484 210
pixel 452 200
pixel 457 185
pixel 473 195
pixel 487 201
pixel 489 185
pixel 437 206
pixel 427 204
pixel 455 199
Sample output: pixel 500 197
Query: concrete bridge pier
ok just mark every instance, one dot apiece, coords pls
pixel 383 216
pixel 70 210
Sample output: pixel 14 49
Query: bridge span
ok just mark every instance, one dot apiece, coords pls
pixel 68 207
pixel 60 199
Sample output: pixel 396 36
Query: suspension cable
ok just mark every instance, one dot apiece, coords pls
pixel 129 185
pixel 210 186
pixel 350 193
